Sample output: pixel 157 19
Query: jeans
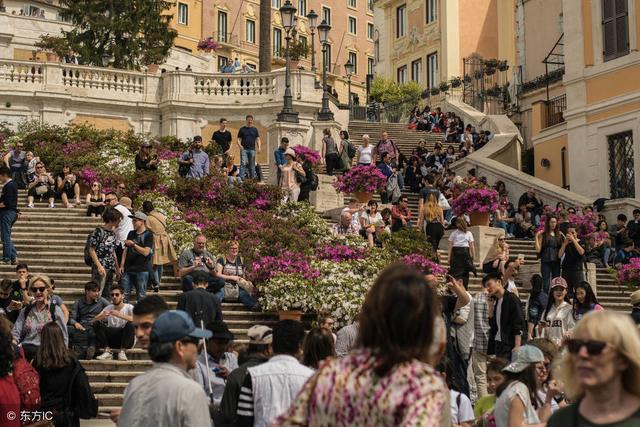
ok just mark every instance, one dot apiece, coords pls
pixel 139 279
pixel 246 299
pixel 549 270
pixel 503 225
pixel 105 281
pixel 247 160
pixel 606 253
pixel 18 176
pixel 156 275
pixel 7 219
pixel 215 284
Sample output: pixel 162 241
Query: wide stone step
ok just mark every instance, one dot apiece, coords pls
pixel 109 399
pixel 106 388
pixel 112 377
pixel 57 229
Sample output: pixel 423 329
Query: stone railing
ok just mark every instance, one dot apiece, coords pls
pixel 122 86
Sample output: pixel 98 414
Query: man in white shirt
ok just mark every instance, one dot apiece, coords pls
pixel 271 387
pixel 117 332
pixel 125 226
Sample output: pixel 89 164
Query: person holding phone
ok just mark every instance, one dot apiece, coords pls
pixel 573 258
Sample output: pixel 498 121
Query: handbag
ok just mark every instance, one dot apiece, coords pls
pixel 443 202
pixel 231 291
pixel 42 189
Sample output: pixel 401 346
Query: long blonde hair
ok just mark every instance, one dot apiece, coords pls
pixel 431 209
pixel 616 329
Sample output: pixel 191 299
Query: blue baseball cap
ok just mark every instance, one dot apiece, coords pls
pixel 174 325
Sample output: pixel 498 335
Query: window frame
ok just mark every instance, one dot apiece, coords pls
pixel 222 32
pixel 618 22
pixel 302 8
pixel 416 77
pixel 327 9
pixel 276 4
pixel 277 52
pixel 432 74
pixel 401 70
pixel 617 176
pixel 401 18
pixel 355 62
pixel 431 11
pixel 353 19
pixel 370 30
pixel 183 9
pixel 247 32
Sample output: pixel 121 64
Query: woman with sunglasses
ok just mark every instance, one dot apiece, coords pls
pixel 601 373
pixel 557 320
pixel 33 317
pixel 95 200
pixel 41 186
pixel 496 259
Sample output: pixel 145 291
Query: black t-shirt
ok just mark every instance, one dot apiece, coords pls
pixel 572 259
pixel 223 139
pixel 424 193
pixel 135 262
pixel 248 136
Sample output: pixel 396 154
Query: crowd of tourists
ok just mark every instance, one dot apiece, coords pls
pixel 414 356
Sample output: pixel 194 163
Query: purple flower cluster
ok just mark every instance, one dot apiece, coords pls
pixel 208 44
pixel 75 148
pixel 88 175
pixel 339 253
pixel 168 154
pixel 309 154
pixel 361 179
pixel 266 267
pixel 423 264
pixel 629 274
pixel 476 200
pixel 585 224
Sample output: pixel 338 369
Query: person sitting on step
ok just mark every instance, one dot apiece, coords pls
pixel 67 187
pixel 82 334
pixel 41 186
pixel 114 327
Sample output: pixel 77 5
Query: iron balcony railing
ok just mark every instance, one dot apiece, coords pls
pixel 554 111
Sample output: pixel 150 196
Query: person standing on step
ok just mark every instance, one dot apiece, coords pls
pixel 15 161
pixel 249 144
pixel 346 149
pixel 82 318
pixel 114 327
pixel 461 251
pixel 163 251
pixel 365 152
pixel 102 251
pixel 330 153
pixel 222 137
pixel 280 159
pixel 547 244
pixel 137 257
pixel 125 225
pixel 8 215
pixel 505 317
pixel 386 145
pixel 572 254
pixel 166 395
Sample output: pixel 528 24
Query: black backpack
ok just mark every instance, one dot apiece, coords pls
pixel 313 182
pixel 351 150
pixel 183 170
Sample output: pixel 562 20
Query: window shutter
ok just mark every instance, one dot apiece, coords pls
pixel 622 35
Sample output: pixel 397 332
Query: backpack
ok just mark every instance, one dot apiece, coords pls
pixel 313 182
pixel 232 289
pixel 27 381
pixel 87 258
pixel 351 150
pixel 183 170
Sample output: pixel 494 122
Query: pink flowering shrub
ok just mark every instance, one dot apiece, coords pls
pixel 77 148
pixel 266 267
pixel 338 253
pixel 88 175
pixel 361 179
pixel 476 200
pixel 423 264
pixel 309 154
pixel 585 224
pixel 208 44
pixel 629 274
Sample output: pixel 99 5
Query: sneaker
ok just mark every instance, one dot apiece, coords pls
pixel 156 289
pixel 69 206
pixel 122 356
pixel 52 205
pixel 91 351
pixel 30 206
pixel 78 202
pixel 104 356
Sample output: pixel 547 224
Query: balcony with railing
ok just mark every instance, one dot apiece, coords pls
pixel 554 111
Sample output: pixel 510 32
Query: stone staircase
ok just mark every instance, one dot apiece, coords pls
pixel 51 242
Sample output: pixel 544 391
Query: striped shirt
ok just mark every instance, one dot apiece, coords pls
pixel 481 323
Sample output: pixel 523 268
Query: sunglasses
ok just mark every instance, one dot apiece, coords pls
pixel 502 239
pixel 39 289
pixel 115 295
pixel 594 347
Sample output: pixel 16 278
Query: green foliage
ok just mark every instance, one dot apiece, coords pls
pixel 298 50
pixel 131 32
pixel 410 91
pixel 385 90
pixel 55 44
pixel 406 242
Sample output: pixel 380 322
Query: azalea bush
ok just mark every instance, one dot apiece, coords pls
pixel 207 45
pixel 290 291
pixel 361 179
pixel 267 267
pixel 474 199
pixel 423 264
pixel 629 274
pixel 309 154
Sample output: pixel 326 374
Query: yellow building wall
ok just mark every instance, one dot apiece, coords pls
pixel 26 55
pixel 550 150
pixel 478 20
pixel 188 35
pixel 612 84
pixel 233 127
pixel 587 32
pixel 103 122
pixel 615 111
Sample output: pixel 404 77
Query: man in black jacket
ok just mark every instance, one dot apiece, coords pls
pixel 259 351
pixel 8 215
pixel 199 303
pixel 506 318
pixel 633 228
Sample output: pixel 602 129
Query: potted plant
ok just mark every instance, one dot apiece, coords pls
pixel 478 202
pixel 456 82
pixel 489 71
pixel 309 154
pixel 468 79
pixel 503 66
pixel 362 182
pixel 444 87
pixel 435 91
pixel 290 295
pixel 478 74
pixel 208 45
pixel 297 51
pixel 494 91
pixel 53 46
pixel 491 63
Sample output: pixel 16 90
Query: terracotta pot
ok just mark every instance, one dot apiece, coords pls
pixel 153 68
pixel 362 196
pixel 51 57
pixel 293 64
pixel 290 315
pixel 479 218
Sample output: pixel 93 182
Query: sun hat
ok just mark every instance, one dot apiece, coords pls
pixel 558 282
pixel 260 334
pixel 174 325
pixel 523 357
pixel 139 215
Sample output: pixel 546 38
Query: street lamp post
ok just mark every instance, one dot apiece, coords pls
pixel 312 16
pixel 288 15
pixel 325 114
pixel 348 68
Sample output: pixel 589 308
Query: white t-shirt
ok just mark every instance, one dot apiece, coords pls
pixel 560 321
pixel 515 390
pixel 125 226
pixel 460 413
pixel 461 239
pixel 498 317
pixel 370 219
pixel 511 286
pixel 366 154
pixel 116 322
